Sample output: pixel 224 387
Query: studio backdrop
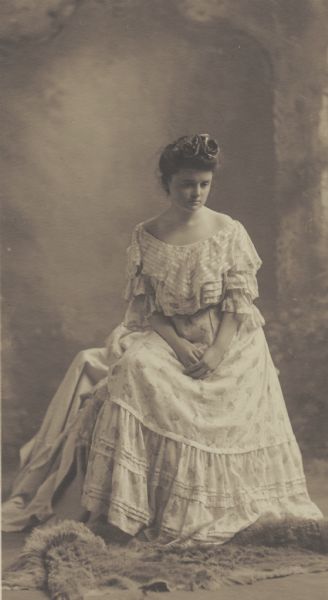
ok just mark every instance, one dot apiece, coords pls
pixel 90 99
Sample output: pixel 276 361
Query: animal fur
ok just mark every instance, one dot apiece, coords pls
pixel 68 559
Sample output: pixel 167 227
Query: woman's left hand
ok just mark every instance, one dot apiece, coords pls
pixel 206 365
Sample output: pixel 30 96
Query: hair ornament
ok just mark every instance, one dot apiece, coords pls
pixel 200 144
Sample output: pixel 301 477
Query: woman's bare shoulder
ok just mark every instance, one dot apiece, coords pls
pixel 220 219
pixel 154 224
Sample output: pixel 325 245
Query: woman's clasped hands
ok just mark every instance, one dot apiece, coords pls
pixel 198 363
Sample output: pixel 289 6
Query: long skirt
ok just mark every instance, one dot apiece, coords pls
pixel 131 437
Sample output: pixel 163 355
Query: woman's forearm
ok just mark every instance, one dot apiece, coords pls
pixel 165 328
pixel 227 329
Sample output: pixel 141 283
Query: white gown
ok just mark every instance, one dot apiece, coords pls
pixel 132 437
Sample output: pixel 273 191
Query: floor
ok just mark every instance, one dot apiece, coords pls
pixel 298 587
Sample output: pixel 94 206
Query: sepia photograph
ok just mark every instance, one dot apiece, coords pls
pixel 164 227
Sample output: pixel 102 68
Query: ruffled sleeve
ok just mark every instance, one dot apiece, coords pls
pixel 139 292
pixel 240 282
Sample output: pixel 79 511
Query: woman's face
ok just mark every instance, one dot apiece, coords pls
pixel 189 188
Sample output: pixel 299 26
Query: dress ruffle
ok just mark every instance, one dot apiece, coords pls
pixel 240 302
pixel 141 479
pixel 182 280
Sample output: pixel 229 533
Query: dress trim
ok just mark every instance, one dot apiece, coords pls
pixel 137 478
pixel 181 439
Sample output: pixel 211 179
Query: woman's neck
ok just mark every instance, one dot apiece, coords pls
pixel 180 216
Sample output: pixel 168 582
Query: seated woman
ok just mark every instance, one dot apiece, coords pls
pixel 179 427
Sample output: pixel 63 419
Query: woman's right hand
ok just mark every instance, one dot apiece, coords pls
pixel 187 353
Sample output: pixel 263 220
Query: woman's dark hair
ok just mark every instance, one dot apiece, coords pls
pixel 198 151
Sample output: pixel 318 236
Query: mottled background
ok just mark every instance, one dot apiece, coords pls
pixel 91 91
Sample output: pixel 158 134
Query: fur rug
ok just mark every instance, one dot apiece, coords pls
pixel 70 562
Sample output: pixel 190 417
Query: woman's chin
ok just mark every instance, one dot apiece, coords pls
pixel 194 205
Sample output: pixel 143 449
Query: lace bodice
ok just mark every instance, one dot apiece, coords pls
pixel 182 280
